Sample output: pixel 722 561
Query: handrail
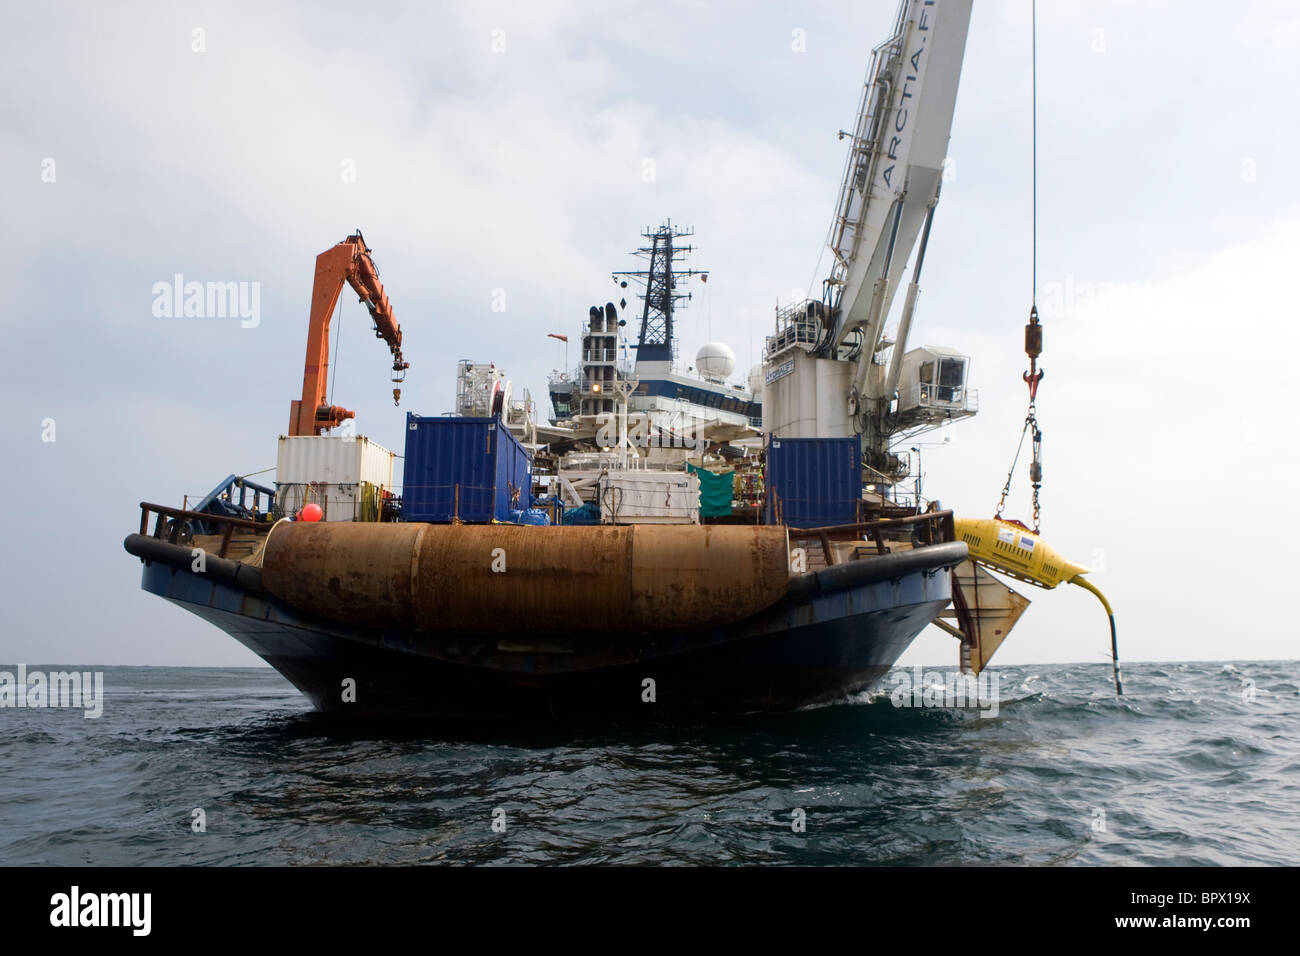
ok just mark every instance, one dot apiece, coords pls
pixel 146 507
pixel 938 527
pixel 181 515
pixel 944 519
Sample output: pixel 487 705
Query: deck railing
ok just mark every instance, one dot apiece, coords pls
pixel 172 524
pixel 934 527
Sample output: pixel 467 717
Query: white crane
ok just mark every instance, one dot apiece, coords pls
pixel 832 382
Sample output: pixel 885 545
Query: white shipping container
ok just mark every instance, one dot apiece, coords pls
pixel 331 471
pixel 650 497
pixel 336 460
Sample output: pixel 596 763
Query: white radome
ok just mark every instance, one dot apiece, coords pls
pixel 715 362
pixel 755 380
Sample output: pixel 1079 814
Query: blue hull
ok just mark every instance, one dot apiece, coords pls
pixel 829 638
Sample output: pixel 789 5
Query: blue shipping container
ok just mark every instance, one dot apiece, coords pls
pixel 471 468
pixel 815 481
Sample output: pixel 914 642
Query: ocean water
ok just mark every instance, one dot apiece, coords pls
pixel 1198 764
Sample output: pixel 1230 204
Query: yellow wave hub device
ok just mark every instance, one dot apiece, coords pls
pixel 1014 550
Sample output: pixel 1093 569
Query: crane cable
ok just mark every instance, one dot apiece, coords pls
pixel 338 337
pixel 1034 348
pixel 1033 330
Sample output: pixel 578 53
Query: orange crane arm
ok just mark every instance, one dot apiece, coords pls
pixel 349 262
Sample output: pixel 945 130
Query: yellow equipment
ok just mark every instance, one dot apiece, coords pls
pixel 1014 550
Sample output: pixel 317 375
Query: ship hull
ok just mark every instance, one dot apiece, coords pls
pixel 829 638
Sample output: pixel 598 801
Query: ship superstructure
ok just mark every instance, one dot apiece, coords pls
pixel 672 411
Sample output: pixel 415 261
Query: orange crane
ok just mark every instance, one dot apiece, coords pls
pixel 349 262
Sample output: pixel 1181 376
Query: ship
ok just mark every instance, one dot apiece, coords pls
pixel 668 541
pixel 674 619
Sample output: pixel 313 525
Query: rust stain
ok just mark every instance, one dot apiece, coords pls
pixel 554 578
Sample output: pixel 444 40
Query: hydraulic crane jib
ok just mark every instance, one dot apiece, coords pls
pixel 347 262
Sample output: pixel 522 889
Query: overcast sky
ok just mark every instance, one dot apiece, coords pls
pixel 485 147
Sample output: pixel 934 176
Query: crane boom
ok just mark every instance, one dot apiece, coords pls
pixel 348 262
pixel 895 164
pixel 824 374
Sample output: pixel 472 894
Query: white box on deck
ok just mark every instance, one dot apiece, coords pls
pixel 650 497
pixel 331 471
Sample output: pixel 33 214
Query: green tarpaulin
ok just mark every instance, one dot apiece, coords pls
pixel 715 493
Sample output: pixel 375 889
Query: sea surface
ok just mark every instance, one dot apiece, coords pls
pixel 1198 764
